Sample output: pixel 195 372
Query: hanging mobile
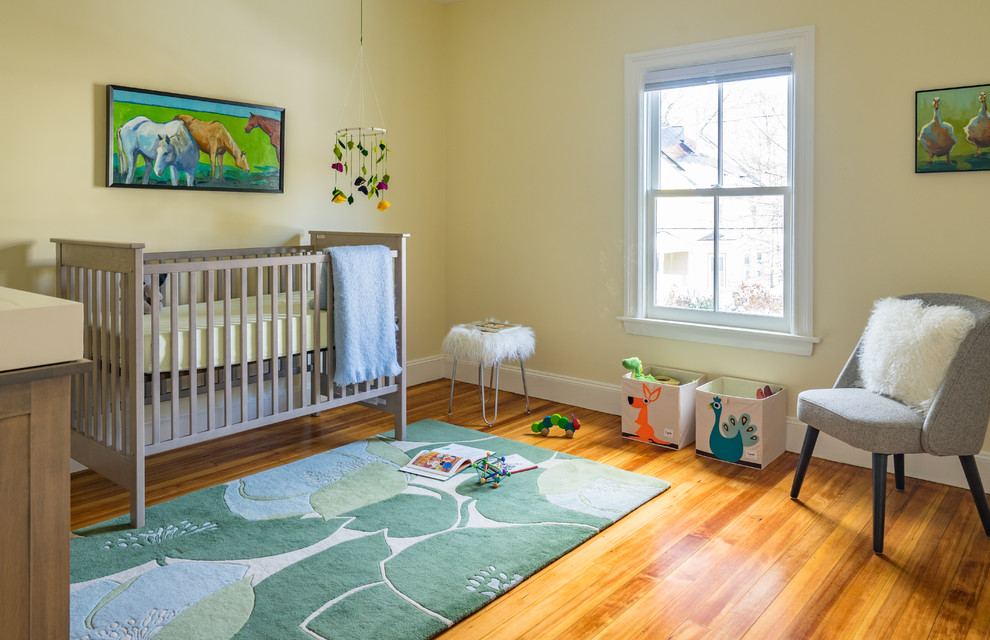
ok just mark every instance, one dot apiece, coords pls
pixel 357 148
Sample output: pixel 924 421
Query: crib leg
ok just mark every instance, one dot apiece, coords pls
pixel 137 508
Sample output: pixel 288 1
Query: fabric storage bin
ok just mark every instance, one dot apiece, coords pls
pixel 660 413
pixel 737 426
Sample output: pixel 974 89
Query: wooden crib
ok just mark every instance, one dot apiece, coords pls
pixel 188 346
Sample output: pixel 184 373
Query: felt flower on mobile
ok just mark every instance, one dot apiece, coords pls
pixel 339 166
pixel 384 204
pixel 381 186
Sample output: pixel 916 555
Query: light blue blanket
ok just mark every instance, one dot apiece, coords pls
pixel 363 313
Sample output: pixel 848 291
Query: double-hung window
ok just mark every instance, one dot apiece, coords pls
pixel 719 192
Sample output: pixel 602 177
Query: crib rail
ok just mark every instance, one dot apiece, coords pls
pixel 238 289
pixel 192 345
pixel 107 403
pixel 395 402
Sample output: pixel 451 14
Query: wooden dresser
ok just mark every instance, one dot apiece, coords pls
pixel 34 500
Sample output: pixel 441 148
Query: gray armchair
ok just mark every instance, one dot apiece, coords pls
pixel 955 425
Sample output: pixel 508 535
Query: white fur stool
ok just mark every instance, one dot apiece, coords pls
pixel 489 343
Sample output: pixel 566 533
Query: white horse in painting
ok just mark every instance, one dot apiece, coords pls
pixel 161 145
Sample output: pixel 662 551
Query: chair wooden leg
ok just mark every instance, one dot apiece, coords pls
pixel 810 438
pixel 899 471
pixel 879 499
pixel 976 488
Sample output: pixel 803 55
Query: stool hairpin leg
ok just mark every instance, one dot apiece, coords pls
pixel 453 376
pixel 481 391
pixel 522 370
pixel 491 378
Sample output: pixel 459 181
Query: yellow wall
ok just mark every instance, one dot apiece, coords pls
pixel 535 207
pixel 506 122
pixel 57 56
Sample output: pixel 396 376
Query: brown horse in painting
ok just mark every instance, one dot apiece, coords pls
pixel 271 127
pixel 214 140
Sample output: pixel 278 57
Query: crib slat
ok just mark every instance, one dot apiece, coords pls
pixel 273 288
pixel 314 283
pixel 211 401
pixel 111 366
pixel 101 426
pixel 64 289
pixel 260 342
pixel 100 349
pixel 303 285
pixel 330 363
pixel 156 363
pixel 90 338
pixel 290 349
pixel 244 346
pixel 191 370
pixel 174 384
pixel 89 428
pixel 228 339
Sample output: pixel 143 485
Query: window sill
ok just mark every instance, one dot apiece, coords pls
pixel 726 336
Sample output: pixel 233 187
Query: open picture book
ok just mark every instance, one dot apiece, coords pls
pixel 445 462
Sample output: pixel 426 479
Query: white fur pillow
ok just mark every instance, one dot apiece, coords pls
pixel 907 348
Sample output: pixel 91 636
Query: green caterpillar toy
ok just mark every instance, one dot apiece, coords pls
pixel 556 420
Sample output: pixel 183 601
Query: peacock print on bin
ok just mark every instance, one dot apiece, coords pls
pixel 741 421
pixel 727 438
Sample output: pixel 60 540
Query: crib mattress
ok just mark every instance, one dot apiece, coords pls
pixel 247 323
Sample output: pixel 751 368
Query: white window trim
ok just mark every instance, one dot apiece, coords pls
pixel 799 339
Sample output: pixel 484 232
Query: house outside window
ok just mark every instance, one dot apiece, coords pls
pixel 719 192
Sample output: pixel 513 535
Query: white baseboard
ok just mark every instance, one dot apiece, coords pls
pixel 427 369
pixel 606 398
pixel 596 396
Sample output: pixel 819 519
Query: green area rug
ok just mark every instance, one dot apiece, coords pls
pixel 342 545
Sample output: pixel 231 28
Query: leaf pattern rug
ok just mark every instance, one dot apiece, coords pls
pixel 342 545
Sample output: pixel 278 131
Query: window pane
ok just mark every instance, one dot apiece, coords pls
pixel 755 132
pixel 751 242
pixel 689 137
pixel 685 243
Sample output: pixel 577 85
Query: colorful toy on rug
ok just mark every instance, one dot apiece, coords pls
pixel 557 420
pixel 492 469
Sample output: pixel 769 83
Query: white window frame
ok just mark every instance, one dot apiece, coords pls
pixel 797 336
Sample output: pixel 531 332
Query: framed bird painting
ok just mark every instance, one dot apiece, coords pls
pixel 952 129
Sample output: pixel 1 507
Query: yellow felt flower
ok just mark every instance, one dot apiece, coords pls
pixel 384 204
pixel 339 198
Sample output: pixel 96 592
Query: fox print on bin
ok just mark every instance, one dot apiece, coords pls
pixel 646 433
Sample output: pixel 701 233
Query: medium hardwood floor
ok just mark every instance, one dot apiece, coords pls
pixel 724 553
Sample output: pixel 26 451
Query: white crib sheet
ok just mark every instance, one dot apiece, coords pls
pixel 301 314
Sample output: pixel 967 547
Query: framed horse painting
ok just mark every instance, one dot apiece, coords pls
pixel 175 141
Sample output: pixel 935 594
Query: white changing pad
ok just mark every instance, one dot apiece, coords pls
pixel 302 314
